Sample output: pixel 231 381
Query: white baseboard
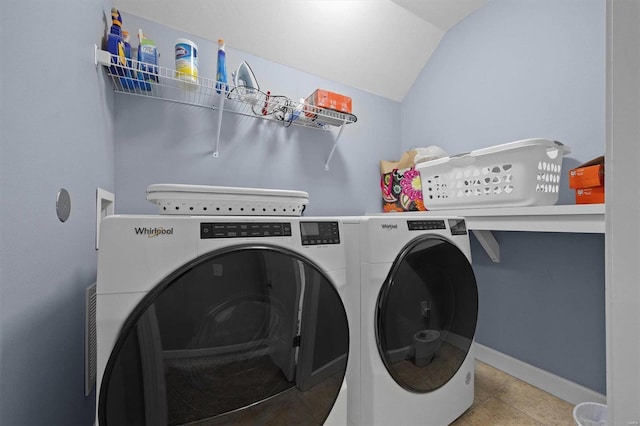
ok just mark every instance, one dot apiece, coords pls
pixel 555 385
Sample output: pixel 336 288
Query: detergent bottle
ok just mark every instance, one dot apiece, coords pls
pixel 129 71
pixel 115 44
pixel 147 62
pixel 221 74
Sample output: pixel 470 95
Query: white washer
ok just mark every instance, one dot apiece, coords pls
pixel 229 319
pixel 419 306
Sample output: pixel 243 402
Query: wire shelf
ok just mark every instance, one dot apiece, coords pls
pixel 166 84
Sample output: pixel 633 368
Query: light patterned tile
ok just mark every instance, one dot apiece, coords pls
pixel 494 412
pixel 489 381
pixel 538 404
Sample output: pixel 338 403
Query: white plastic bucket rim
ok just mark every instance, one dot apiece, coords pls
pixel 590 414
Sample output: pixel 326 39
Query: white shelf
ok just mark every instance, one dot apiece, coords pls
pixel 222 97
pixel 576 218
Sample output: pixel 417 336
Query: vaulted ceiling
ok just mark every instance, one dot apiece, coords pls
pixel 379 46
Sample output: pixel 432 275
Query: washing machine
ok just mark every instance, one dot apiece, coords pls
pixel 222 320
pixel 418 313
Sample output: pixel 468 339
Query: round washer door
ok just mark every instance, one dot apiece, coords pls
pixel 251 334
pixel 426 314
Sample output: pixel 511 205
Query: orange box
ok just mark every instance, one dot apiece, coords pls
pixel 588 175
pixel 593 195
pixel 329 100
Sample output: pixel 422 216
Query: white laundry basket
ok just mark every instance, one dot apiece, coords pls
pixel 521 173
pixel 590 414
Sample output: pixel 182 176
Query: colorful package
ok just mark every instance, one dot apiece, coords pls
pixel 401 191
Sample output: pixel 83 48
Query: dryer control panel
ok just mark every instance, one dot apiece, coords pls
pixel 424 225
pixel 457 226
pixel 244 229
pixel 317 233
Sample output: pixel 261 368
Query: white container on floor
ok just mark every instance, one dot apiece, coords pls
pixel 590 414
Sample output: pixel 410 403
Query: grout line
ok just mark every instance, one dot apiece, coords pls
pixel 548 382
pixel 512 382
pixel 516 408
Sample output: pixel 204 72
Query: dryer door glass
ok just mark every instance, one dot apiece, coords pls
pixel 426 314
pixel 252 335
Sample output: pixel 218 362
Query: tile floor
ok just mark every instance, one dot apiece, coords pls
pixel 501 399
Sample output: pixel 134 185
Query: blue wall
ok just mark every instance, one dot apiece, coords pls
pixel 514 70
pixel 544 303
pixel 159 142
pixel 55 131
pixel 60 126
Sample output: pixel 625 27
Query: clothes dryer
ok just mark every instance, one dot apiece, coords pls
pixel 419 307
pixel 222 320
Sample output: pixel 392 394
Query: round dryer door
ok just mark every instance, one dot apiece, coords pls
pixel 426 314
pixel 251 335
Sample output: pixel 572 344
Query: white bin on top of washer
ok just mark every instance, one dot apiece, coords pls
pixel 179 199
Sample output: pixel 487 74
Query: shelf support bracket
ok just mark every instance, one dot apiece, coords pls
pixel 489 244
pixel 100 57
pixel 335 144
pixel 221 97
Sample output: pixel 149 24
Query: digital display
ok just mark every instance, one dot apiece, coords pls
pixel 458 227
pixel 319 233
pixel 308 229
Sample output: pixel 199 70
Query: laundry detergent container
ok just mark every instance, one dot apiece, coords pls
pixel 521 173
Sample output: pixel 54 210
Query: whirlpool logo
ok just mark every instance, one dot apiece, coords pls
pixel 153 232
pixel 389 226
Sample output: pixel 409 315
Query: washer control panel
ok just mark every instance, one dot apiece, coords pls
pixel 318 233
pixel 244 229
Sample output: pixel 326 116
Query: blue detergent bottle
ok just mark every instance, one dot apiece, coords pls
pixel 147 62
pixel 129 71
pixel 221 73
pixel 115 46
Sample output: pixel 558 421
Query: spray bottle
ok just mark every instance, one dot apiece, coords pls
pixel 115 44
pixel 221 74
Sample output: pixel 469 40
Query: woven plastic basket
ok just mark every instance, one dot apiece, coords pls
pixel 521 173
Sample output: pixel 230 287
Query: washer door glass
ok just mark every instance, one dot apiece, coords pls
pixel 252 335
pixel 426 314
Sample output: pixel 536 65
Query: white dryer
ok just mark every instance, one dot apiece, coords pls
pixel 419 307
pixel 222 320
